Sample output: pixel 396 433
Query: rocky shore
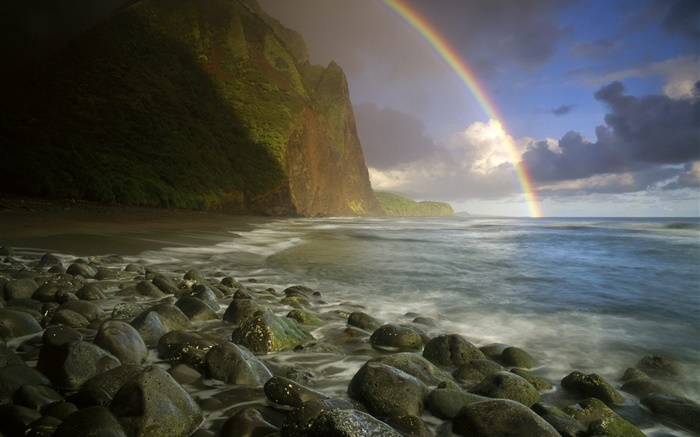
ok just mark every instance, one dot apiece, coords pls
pixel 102 346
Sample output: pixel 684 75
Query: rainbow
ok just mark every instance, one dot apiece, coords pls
pixel 466 75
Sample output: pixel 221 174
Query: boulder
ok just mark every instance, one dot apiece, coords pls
pixel 49 260
pixel 393 337
pixel 8 357
pixel 445 403
pixel 284 391
pixel 69 365
pixel 591 385
pixel 14 323
pixel 165 285
pixel 148 289
pixel 451 351
pixel 565 425
pixel 659 366
pixel 87 309
pixel 601 420
pixel 364 321
pixel 678 410
pixel 154 404
pixel 158 320
pixel 196 309
pixel 388 391
pixel 418 367
pixel 536 381
pixel 187 347
pixel 108 383
pixel 240 309
pixel 474 371
pixel 90 291
pixel 641 387
pixel 500 417
pixel 81 269
pixel 20 288
pixel 349 423
pixel 234 364
pixel 88 422
pixel 208 296
pixel 516 357
pixel 264 332
pixel 13 377
pixel 299 420
pixel 16 419
pixel 123 341
pixel 36 396
pixel 505 385
pixel 304 317
pixel 247 422
pixel 69 318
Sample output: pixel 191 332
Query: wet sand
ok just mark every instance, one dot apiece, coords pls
pixel 90 228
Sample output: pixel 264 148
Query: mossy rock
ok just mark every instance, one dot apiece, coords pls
pixel 591 385
pixel 264 332
pixel 601 420
pixel 506 385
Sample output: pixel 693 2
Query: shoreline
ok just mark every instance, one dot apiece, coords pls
pixel 88 227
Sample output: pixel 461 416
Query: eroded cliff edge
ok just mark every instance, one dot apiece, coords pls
pixel 200 105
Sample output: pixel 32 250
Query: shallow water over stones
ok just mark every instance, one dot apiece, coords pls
pixel 183 351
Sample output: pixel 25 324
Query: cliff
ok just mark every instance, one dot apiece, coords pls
pixel 187 104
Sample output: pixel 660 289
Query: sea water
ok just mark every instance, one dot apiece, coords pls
pixel 593 295
pixel 588 295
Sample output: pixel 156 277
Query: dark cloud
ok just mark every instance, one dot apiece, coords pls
pixel 650 135
pixel 683 18
pixel 562 110
pixel 390 137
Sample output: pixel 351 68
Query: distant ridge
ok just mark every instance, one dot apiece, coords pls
pixel 401 206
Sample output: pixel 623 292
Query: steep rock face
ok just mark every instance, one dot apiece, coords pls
pixel 182 103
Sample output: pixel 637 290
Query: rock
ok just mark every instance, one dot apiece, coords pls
pixel 679 410
pixel 90 291
pixel 591 385
pixel 409 425
pixel 36 396
pixel 301 290
pixel 70 318
pixel 108 383
pixel 247 422
pixel 474 371
pixel 87 309
pixel 196 309
pixel 47 292
pixel 12 378
pixel 240 309
pixel 417 366
pixel 349 423
pixel 61 410
pixel 284 391
pixel 187 347
pixel 451 351
pixel 643 386
pixel 88 422
pixel 536 381
pixel 134 268
pixel 601 420
pixel 20 288
pixel 69 365
pixel 148 289
pixel 304 317
pixel 505 385
pixel 15 324
pixel 8 357
pixel 388 391
pixel 208 296
pixel 82 269
pixel 633 373
pixel 16 419
pixel 123 341
pixel 42 427
pixel 660 366
pixel 48 260
pixel 234 364
pixel 128 310
pixel 104 273
pixel 445 403
pixel 364 321
pixel 318 347
pixel 165 285
pixel 299 420
pixel 194 276
pixel 394 338
pixel 493 351
pixel 264 332
pixel 516 357
pixel 158 320
pixel 565 425
pixel 500 417
pixel 154 404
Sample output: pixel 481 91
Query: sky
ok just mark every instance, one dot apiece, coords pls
pixel 596 103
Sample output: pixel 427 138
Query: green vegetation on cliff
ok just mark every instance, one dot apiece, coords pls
pixel 400 206
pixel 172 103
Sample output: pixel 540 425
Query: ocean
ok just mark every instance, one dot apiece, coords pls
pixel 588 295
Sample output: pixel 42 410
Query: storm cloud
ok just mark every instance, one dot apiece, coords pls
pixel 652 139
